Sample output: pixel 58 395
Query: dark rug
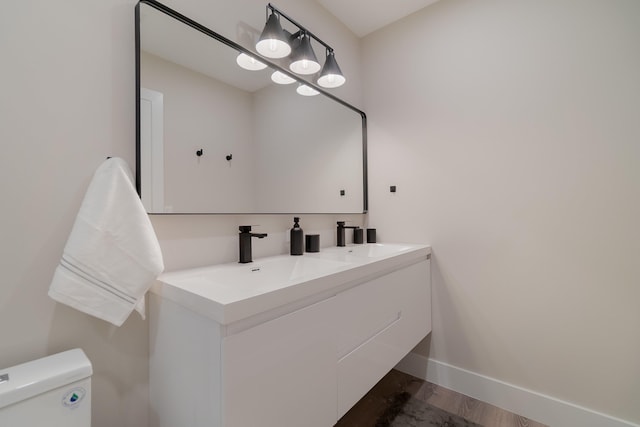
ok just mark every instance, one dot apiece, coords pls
pixel 405 411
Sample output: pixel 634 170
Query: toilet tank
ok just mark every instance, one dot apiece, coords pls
pixel 54 391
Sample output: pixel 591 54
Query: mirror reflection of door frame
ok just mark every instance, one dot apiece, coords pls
pixel 152 149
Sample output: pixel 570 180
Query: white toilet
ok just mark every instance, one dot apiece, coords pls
pixel 54 391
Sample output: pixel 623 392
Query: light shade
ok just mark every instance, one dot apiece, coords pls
pixel 303 59
pixel 281 78
pixel 273 42
pixel 331 75
pixel 305 90
pixel 249 62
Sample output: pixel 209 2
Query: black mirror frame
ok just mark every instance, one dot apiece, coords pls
pixel 178 16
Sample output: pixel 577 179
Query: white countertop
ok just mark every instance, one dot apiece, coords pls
pixel 229 293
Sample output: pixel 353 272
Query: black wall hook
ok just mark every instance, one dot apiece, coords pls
pixel 229 157
pixel 199 152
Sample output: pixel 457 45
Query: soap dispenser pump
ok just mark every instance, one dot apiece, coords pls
pixel 297 238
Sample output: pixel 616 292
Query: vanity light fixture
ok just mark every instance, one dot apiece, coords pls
pixel 331 76
pixel 250 63
pixel 275 42
pixel 303 59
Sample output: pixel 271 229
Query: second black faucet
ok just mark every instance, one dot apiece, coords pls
pixel 340 236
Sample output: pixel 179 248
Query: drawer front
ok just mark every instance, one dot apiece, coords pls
pixel 381 321
pixel 282 371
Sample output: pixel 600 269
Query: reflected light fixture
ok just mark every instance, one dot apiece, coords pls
pixel 331 76
pixel 273 42
pixel 305 90
pixel 281 78
pixel 249 62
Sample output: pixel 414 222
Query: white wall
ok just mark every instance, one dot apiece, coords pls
pixel 512 131
pixel 67 102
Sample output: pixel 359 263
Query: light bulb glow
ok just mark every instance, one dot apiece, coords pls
pixel 281 78
pixel 304 67
pixel 331 80
pixel 273 48
pixel 249 62
pixel 305 90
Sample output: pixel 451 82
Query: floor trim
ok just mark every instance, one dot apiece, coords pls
pixel 535 406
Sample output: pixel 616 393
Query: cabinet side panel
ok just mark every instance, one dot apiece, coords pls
pixel 184 367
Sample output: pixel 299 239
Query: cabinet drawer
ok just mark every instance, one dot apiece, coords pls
pixel 367 309
pixel 382 320
pixel 282 371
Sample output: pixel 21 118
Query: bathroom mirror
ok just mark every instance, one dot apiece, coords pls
pixel 214 138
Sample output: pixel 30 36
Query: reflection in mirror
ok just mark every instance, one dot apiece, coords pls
pixel 217 138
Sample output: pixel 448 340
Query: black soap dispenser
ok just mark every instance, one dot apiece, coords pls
pixel 297 238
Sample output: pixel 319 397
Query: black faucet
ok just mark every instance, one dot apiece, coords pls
pixel 341 227
pixel 245 242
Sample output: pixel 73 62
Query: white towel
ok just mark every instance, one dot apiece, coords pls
pixel 112 256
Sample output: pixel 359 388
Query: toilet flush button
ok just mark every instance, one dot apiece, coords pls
pixel 73 397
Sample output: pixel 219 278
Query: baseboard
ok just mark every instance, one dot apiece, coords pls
pixel 535 406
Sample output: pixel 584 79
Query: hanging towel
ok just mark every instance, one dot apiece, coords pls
pixel 112 255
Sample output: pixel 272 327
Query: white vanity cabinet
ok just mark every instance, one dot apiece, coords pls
pixel 298 355
pixel 271 375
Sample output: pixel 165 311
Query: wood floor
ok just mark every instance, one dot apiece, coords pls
pixel 367 411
